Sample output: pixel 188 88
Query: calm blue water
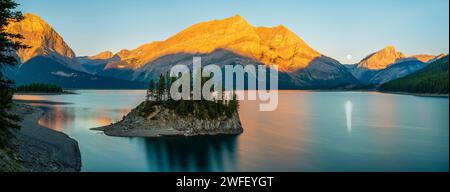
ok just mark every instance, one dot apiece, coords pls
pixel 310 131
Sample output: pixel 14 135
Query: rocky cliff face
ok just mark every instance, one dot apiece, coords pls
pixel 43 40
pixel 165 122
pixel 381 59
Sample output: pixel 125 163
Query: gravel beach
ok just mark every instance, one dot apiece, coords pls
pixel 40 149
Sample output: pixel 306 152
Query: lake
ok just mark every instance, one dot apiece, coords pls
pixel 309 131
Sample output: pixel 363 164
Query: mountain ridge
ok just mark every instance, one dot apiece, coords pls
pixel 102 55
pixel 269 45
pixel 387 64
pixel 231 41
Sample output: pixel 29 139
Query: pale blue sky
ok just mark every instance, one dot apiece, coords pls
pixel 335 28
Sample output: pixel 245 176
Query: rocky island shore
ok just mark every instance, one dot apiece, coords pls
pixel 34 148
pixel 154 119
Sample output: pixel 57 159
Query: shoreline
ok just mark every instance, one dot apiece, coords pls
pixel 46 93
pixel 370 91
pixel 309 90
pixel 415 94
pixel 40 102
pixel 40 149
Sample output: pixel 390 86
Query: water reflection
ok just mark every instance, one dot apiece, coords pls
pixel 56 117
pixel 348 115
pixel 278 140
pixel 31 97
pixel 307 132
pixel 202 153
pixel 383 111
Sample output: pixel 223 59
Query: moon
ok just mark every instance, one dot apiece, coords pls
pixel 349 57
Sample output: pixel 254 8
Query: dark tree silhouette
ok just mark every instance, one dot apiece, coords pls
pixel 9 43
pixel 40 87
pixel 151 90
pixel 161 91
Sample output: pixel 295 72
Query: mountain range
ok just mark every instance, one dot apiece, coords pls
pixel 230 41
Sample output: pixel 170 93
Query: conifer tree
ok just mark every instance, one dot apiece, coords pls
pixel 8 43
pixel 161 88
pixel 151 89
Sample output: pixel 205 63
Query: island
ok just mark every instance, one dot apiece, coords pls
pixel 159 115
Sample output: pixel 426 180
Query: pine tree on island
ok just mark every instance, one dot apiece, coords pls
pixel 159 94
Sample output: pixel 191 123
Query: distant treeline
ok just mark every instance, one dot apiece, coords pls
pixel 39 87
pixel 432 79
